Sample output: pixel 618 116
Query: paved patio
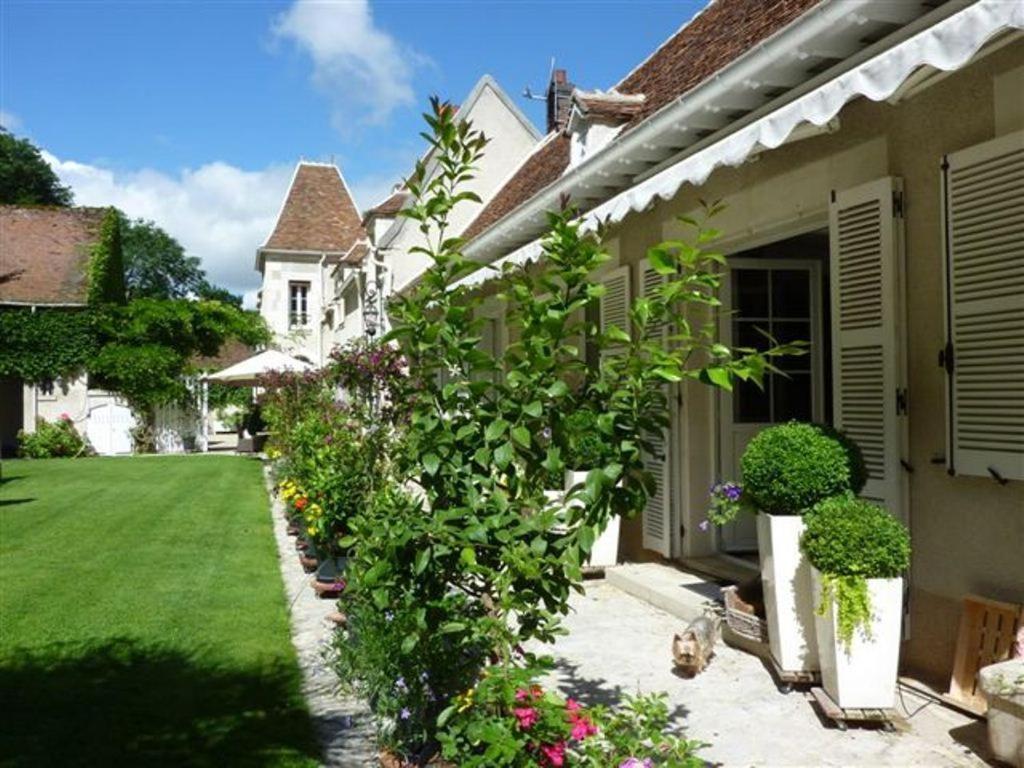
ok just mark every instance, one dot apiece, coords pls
pixel 619 644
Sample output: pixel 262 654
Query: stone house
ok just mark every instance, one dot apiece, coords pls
pixel 870 156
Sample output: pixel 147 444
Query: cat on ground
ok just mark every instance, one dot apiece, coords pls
pixel 693 648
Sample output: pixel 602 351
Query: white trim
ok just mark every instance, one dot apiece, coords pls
pixel 947 38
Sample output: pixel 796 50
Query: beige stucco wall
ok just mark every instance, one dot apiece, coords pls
pixel 510 141
pixel 968 533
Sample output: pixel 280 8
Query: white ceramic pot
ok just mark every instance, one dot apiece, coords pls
pixel 788 601
pixel 863 677
pixel 1003 684
pixel 605 552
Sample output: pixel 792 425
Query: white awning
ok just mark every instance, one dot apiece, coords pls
pixel 947 45
pixel 249 371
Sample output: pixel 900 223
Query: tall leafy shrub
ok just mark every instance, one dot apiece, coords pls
pixel 476 555
pixel 106 263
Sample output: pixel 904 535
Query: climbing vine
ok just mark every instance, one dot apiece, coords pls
pixel 106 263
pixel 46 344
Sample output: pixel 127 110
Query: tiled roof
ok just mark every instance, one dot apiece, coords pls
pixel 718 35
pixel 319 214
pixel 47 252
pixel 389 207
pixel 540 169
pixel 610 105
pixel 714 38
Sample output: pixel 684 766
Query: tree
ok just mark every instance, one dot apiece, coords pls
pixel 25 177
pixel 155 264
pixel 106 263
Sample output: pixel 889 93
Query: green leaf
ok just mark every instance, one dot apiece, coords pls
pixel 421 562
pixel 586 534
pixel 521 435
pixel 410 642
pixel 431 463
pixel 467 556
pixel 718 376
pixel 495 430
pixel 503 455
pixel 662 261
pixel 558 389
pixel 534 409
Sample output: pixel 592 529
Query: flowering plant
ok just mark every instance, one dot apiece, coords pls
pixel 507 719
pixel 726 502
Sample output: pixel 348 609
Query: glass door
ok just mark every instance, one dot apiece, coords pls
pixel 765 299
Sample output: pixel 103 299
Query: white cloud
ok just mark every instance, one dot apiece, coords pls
pixel 218 212
pixel 10 121
pixel 364 71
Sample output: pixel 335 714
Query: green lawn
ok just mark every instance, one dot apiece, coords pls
pixel 142 617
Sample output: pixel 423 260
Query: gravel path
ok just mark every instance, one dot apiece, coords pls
pixel 342 723
pixel 618 644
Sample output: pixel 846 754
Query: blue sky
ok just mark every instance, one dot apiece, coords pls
pixel 193 113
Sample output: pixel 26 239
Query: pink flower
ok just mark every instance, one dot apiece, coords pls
pixel 581 728
pixel 571 705
pixel 527 717
pixel 65 417
pixel 553 754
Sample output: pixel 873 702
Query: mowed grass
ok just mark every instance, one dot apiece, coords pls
pixel 142 617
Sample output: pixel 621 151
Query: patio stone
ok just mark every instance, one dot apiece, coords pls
pixel 343 725
pixel 618 644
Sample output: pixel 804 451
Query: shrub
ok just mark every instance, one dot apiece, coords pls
pixel 849 541
pixel 788 468
pixel 585 446
pixel 52 439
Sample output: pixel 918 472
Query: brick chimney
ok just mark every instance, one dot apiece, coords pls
pixel 559 100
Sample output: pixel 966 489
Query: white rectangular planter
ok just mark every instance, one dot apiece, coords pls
pixel 788 602
pixel 605 552
pixel 865 676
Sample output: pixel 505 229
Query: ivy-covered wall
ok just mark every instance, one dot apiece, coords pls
pixel 46 343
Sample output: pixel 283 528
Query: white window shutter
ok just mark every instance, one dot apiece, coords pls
pixel 657 515
pixel 869 333
pixel 614 305
pixel 984 191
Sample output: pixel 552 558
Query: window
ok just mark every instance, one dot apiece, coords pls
pixel 298 305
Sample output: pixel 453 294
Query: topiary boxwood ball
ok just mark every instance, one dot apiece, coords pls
pixel 788 468
pixel 853 537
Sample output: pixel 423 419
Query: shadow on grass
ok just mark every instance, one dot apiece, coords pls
pixel 120 702
pixel 12 502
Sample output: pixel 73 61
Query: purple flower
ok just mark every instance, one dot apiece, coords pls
pixel 388 616
pixel 704 524
pixel 400 684
pixel 405 714
pixel 424 676
pixel 732 491
pixel 636 762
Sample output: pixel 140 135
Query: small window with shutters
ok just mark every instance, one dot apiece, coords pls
pixel 983 190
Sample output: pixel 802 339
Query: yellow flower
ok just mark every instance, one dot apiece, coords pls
pixel 311 530
pixel 466 699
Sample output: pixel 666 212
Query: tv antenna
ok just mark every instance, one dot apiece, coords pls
pixel 528 92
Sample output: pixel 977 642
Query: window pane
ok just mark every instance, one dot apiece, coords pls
pixel 792 397
pixel 750 403
pixel 749 334
pixel 793 330
pixel 750 292
pixel 791 293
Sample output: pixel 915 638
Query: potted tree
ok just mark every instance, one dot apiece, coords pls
pixel 787 470
pixel 858 553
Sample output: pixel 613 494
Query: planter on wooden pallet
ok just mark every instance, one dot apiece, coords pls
pixel 862 676
pixel 788 599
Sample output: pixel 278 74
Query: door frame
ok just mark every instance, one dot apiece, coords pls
pixel 819 295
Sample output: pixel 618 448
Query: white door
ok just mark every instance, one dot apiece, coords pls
pixel 781 298
pixel 109 428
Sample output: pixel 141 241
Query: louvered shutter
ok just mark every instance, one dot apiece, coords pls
pixel 658 511
pixel 868 332
pixel 614 305
pixel 984 188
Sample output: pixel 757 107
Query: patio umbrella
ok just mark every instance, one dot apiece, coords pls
pixel 248 371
